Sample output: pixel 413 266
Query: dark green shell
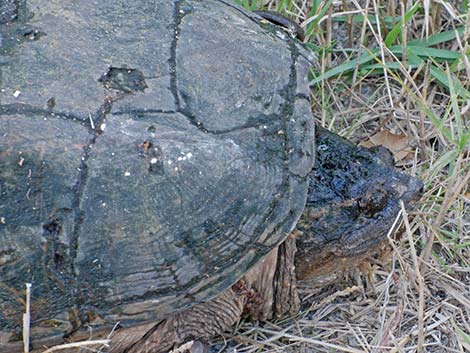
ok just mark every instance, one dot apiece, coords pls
pixel 151 152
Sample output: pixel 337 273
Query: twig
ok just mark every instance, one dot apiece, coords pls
pixel 27 318
pixel 77 345
pixel 312 341
pixel 419 279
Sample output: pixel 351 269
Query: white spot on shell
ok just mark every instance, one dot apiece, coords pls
pixel 127 174
pixel 189 155
pixel 170 161
pixel 16 94
pixel 2 220
pixel 281 35
pixel 180 158
pixel 102 127
pixel 153 160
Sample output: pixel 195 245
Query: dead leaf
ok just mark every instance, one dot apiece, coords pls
pixel 398 144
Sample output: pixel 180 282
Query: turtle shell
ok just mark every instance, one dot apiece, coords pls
pixel 151 152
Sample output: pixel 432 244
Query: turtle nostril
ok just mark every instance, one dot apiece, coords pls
pixel 421 188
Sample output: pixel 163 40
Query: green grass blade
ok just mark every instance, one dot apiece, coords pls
pixel 434 53
pixel 441 76
pixel 437 122
pixel 438 38
pixel 314 24
pixel 412 57
pixel 388 20
pixel 396 30
pixel 343 68
pixel 443 162
pixel 389 66
pixel 464 136
pixel 461 333
pixel 438 74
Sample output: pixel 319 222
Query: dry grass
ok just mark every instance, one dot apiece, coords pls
pixel 418 300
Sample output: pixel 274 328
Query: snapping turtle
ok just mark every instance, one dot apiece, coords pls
pixel 156 171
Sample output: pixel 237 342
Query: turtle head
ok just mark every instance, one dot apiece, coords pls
pixel 352 205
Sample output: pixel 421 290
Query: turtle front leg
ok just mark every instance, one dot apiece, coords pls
pixel 268 290
pixel 286 299
pixel 272 284
pixel 200 322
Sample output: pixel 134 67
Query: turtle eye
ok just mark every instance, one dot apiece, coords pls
pixel 373 201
